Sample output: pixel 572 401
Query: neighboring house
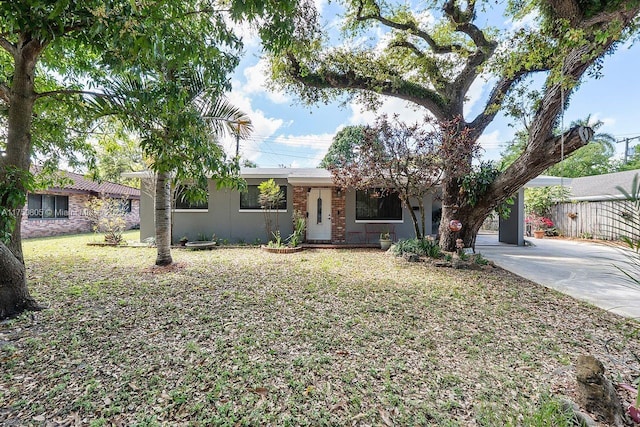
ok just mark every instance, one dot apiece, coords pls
pixel 62 210
pixel 594 205
pixel 334 215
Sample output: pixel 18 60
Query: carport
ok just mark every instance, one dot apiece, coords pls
pixel 511 230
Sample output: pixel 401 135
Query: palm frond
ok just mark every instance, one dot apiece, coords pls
pixel 224 118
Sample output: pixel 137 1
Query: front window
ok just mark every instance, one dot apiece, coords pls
pixel 250 199
pixel 47 206
pixel 182 200
pixel 377 205
pixel 125 205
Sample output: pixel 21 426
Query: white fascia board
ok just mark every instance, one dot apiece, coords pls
pixel 301 181
pixel 598 198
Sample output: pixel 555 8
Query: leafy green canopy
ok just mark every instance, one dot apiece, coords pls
pixel 342 150
pixel 83 44
pixel 431 53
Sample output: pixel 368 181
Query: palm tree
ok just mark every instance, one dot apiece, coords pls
pixel 179 120
pixel 593 159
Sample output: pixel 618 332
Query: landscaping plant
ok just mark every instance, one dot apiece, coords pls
pixel 299 227
pixel 423 247
pixel 270 198
pixel 107 216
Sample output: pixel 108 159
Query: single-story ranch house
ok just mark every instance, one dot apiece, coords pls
pixel 334 215
pixel 62 210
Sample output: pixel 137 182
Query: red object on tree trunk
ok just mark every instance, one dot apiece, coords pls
pixel 455 225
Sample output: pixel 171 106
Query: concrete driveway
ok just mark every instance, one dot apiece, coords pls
pixel 585 271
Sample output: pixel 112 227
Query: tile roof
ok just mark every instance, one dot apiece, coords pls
pixel 82 184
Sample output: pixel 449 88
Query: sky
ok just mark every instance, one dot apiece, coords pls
pixel 288 133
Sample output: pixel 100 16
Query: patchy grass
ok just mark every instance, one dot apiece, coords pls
pixel 322 337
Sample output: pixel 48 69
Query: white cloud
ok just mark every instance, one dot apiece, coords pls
pixel 527 21
pixel 474 94
pixel 491 141
pixel 315 142
pixel 256 82
pixel 390 106
pixel 320 4
pixel 607 122
pixel 492 144
pixel 262 125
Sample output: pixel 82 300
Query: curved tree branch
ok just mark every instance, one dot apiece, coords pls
pixel 543 148
pixel 436 76
pixel 349 80
pixel 8 46
pixel 608 17
pixel 477 36
pixel 409 27
pixel 532 163
pixel 496 97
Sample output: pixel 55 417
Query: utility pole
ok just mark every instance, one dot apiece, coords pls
pixel 626 147
pixel 626 150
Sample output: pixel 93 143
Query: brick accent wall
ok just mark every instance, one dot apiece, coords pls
pixel 338 216
pixel 78 222
pixel 338 211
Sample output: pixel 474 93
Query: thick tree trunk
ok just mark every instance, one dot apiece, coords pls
pixel 163 218
pixel 506 185
pixel 542 151
pixel 471 219
pixel 14 294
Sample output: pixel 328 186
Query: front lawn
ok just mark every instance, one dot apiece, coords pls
pixel 321 337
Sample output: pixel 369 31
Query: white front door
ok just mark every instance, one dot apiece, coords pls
pixel 319 208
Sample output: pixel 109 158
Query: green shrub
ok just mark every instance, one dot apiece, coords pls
pixel 423 247
pixel 480 260
pixel 299 226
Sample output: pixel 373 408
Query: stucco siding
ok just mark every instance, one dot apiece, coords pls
pixel 225 218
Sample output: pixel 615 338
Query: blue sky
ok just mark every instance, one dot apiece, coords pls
pixel 292 134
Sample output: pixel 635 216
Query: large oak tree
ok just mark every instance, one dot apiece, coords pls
pixel 431 55
pixel 50 51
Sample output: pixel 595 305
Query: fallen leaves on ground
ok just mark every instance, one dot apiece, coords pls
pixel 320 337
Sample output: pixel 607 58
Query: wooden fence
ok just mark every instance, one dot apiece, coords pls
pixel 606 220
